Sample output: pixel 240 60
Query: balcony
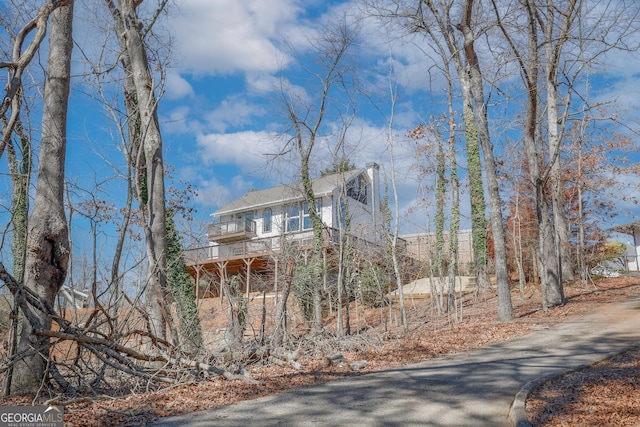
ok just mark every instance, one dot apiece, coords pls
pixel 232 231
pixel 230 250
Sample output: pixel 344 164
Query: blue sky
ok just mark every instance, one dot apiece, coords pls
pixel 219 108
pixel 219 120
pixel 219 117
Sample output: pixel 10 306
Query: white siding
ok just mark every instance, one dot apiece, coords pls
pixel 633 259
pixel 366 217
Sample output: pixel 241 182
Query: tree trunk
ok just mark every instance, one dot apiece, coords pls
pixel 281 309
pixel 441 188
pixel 478 205
pixel 547 262
pixel 342 272
pixel 517 246
pixel 181 286
pixel 236 312
pixel 393 237
pixel 316 255
pixel 21 177
pixel 47 243
pixel 505 307
pixel 115 284
pixel 553 48
pixel 151 192
pixel 442 16
pixel 454 226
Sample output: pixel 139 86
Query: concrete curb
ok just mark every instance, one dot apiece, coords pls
pixel 517 412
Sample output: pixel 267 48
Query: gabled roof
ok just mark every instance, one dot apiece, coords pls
pixel 286 193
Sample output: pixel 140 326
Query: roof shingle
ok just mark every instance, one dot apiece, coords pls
pixel 286 193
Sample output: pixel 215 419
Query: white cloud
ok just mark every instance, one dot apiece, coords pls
pixel 369 143
pixel 625 195
pixel 413 56
pixel 247 150
pixel 213 194
pixel 180 121
pixel 233 111
pixel 622 98
pixel 261 83
pixel 177 87
pixel 225 36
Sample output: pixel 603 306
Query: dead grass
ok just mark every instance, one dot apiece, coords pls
pixel 383 347
pixel 604 394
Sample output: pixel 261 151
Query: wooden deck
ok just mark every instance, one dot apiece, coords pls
pixel 260 256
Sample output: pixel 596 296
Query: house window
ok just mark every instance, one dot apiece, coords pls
pixel 246 215
pixel 292 218
pixel 342 213
pixel 306 218
pixel 297 216
pixel 266 220
pixel 358 188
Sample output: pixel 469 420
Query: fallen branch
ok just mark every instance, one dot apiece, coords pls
pixel 356 366
pixel 281 358
pixel 85 339
pixel 109 352
pixel 126 366
pixel 209 368
pixel 332 360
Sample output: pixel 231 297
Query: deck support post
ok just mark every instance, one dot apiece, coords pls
pixel 222 272
pixel 248 262
pixel 197 286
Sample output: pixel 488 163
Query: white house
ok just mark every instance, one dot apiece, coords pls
pixel 248 230
pixel 633 251
pixel 263 217
pixel 69 298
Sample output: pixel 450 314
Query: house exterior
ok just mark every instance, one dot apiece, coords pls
pixel 633 248
pixel 264 216
pixel 247 233
pixel 72 299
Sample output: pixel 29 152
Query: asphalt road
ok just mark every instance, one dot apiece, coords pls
pixel 474 388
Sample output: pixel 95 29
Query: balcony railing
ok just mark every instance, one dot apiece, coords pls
pixel 234 230
pixel 257 247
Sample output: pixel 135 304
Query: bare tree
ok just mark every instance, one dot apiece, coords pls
pixel 466 27
pixel 454 225
pixel 574 35
pixel 552 291
pixel 393 237
pixel 15 128
pixel 306 118
pixel 345 254
pixel 563 40
pixel 439 20
pixel 20 162
pixel 142 107
pixel 20 59
pixel 281 307
pixel 556 35
pixel 47 242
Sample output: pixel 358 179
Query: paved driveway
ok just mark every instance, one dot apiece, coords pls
pixel 474 388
